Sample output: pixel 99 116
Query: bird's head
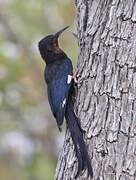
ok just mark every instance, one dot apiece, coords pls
pixel 49 47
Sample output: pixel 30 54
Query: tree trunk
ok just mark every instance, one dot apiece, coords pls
pixel 106 99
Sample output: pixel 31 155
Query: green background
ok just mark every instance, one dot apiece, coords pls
pixel 29 139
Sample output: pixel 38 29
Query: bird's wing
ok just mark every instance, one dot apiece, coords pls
pixel 58 90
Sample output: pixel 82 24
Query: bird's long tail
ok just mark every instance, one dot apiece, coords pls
pixel 77 137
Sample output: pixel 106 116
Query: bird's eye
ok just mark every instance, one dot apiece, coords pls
pixel 48 47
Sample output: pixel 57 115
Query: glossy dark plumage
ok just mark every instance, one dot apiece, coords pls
pixel 58 76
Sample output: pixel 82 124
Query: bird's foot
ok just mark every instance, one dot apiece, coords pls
pixel 75 70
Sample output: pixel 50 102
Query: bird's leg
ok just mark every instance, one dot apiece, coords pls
pixel 75 70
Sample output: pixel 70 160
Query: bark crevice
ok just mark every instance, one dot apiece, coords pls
pixel 106 98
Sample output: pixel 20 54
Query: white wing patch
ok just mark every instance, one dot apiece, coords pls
pixel 69 79
pixel 64 102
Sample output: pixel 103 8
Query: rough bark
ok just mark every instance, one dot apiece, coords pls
pixel 106 100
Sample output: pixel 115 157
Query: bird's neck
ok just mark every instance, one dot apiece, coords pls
pixel 53 57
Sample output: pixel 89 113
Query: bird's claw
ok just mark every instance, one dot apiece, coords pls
pixel 75 70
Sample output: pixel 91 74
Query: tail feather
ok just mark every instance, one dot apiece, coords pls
pixel 78 141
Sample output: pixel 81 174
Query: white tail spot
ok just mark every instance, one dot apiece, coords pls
pixel 64 102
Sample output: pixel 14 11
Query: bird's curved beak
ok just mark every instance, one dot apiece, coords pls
pixel 57 34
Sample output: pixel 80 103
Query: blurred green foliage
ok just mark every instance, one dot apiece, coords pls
pixel 26 123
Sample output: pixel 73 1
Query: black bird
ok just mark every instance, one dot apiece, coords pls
pixel 58 76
